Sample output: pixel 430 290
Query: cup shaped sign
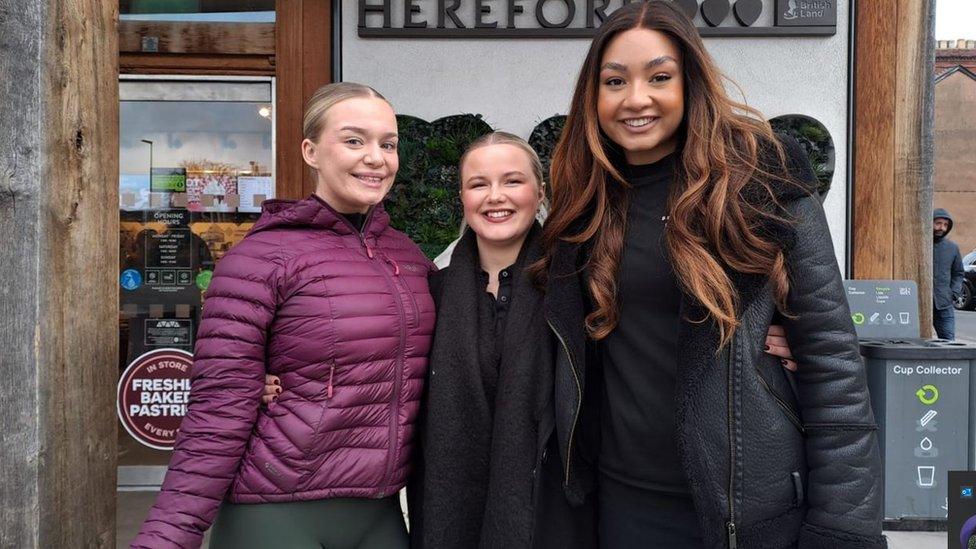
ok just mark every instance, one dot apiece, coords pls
pixel 153 394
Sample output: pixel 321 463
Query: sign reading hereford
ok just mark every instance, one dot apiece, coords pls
pixel 580 18
pixel 153 394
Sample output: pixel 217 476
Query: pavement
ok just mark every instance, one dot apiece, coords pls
pixel 917 540
pixel 966 326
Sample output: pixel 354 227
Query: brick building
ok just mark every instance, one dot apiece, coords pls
pixel 955 137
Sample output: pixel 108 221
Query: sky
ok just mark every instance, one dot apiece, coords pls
pixel 955 19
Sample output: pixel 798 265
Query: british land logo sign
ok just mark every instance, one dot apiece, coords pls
pixel 581 18
pixel 805 12
pixel 153 395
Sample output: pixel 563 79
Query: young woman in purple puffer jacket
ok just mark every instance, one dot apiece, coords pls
pixel 324 294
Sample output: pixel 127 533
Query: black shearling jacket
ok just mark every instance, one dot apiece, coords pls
pixel 773 459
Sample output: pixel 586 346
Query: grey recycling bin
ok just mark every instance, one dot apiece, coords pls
pixel 922 395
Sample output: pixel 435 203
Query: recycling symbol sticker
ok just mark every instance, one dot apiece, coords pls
pixel 928 394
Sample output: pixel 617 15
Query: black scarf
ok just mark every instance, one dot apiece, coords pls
pixel 479 455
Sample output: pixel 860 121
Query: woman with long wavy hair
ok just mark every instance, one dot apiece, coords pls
pixel 681 227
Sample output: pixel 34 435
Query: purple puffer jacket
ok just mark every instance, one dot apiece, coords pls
pixel 345 320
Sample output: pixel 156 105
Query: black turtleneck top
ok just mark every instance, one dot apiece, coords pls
pixel 638 434
pixel 357 220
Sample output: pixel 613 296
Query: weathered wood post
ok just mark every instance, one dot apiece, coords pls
pixel 894 116
pixel 58 272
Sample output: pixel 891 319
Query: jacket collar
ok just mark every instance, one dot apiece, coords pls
pixel 314 212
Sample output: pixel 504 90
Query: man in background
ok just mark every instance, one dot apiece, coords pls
pixel 947 275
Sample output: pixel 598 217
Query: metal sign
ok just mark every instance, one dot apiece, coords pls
pixel 921 396
pixel 961 502
pixel 885 309
pixel 806 13
pixel 580 18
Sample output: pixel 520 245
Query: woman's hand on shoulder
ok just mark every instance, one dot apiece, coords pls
pixel 777 346
pixel 272 388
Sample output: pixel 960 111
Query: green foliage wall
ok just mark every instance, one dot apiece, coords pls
pixel 815 141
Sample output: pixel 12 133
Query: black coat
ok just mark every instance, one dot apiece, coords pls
pixel 772 461
pixel 947 270
pixel 483 475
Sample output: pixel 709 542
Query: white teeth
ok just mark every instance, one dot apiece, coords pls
pixel 367 179
pixel 638 122
pixel 498 214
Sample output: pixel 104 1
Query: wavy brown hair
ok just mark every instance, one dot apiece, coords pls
pixel 712 228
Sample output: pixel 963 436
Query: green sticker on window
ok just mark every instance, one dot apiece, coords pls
pixel 203 279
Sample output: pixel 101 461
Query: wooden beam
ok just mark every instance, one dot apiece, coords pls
pixel 161 63
pixel 196 37
pixel 304 63
pixel 913 155
pixel 289 166
pixel 316 58
pixel 874 123
pixel 892 183
pixel 58 274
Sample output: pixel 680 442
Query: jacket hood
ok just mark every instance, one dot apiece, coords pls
pixel 314 212
pixel 943 213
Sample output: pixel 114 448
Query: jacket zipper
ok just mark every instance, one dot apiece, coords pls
pixel 406 288
pixel 398 374
pixel 328 392
pixel 790 414
pixel 733 542
pixel 400 349
pixel 579 392
pixel 394 264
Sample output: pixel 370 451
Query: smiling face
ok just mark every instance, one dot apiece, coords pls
pixel 499 193
pixel 355 155
pixel 640 97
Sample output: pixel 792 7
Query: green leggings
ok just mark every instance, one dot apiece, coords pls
pixel 344 523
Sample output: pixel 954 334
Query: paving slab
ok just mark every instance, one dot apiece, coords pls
pixel 917 540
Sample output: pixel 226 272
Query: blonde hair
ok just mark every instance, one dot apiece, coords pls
pixel 505 138
pixel 325 98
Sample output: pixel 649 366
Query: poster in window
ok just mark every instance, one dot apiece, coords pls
pixel 253 190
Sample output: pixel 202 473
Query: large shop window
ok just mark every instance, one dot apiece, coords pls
pixel 196 161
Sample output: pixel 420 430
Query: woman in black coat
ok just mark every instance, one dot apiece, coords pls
pixel 483 475
pixel 681 228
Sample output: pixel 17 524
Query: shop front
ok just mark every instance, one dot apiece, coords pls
pixel 211 94
pixel 209 98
